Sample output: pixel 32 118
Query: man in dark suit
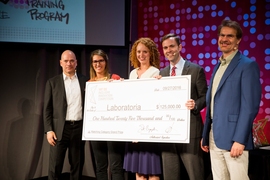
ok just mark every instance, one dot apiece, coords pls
pixel 190 154
pixel 63 113
pixel 233 101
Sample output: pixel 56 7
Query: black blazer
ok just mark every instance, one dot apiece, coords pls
pixel 198 94
pixel 55 104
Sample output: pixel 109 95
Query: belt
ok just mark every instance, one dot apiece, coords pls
pixel 72 122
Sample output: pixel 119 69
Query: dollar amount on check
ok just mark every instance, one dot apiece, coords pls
pixel 143 110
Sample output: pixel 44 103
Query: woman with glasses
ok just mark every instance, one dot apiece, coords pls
pixel 102 150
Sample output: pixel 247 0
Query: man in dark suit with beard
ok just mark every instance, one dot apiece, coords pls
pixel 63 113
pixel 190 154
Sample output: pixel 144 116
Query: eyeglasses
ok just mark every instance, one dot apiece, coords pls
pixel 98 61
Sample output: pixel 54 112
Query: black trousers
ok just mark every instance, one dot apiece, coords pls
pixel 108 154
pixel 71 140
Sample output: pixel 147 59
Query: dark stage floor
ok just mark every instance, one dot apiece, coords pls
pixel 66 177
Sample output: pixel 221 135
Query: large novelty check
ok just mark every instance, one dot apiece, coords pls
pixel 143 110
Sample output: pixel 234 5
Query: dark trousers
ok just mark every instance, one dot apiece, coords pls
pixel 71 140
pixel 108 155
pixel 175 156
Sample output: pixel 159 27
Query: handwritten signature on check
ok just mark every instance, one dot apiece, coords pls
pixel 146 129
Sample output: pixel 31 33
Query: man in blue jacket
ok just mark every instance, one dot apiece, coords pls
pixel 233 101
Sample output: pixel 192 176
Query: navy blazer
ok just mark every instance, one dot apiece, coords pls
pixel 236 104
pixel 55 104
pixel 198 94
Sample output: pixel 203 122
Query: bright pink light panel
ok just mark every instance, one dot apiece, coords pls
pixel 196 23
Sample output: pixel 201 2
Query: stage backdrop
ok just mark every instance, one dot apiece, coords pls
pixel 196 23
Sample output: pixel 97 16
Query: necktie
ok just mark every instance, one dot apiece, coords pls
pixel 173 71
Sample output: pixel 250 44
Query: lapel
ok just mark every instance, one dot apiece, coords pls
pixel 81 82
pixel 62 86
pixel 230 69
pixel 185 68
pixel 213 75
pixel 167 70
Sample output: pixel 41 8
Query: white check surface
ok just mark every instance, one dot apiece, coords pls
pixel 143 110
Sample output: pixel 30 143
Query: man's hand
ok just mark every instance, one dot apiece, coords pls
pixel 204 148
pixel 237 150
pixel 190 104
pixel 51 137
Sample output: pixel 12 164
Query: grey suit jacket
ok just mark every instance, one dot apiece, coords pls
pixel 198 94
pixel 55 104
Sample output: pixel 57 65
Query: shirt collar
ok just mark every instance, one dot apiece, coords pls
pixel 66 77
pixel 228 59
pixel 180 64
